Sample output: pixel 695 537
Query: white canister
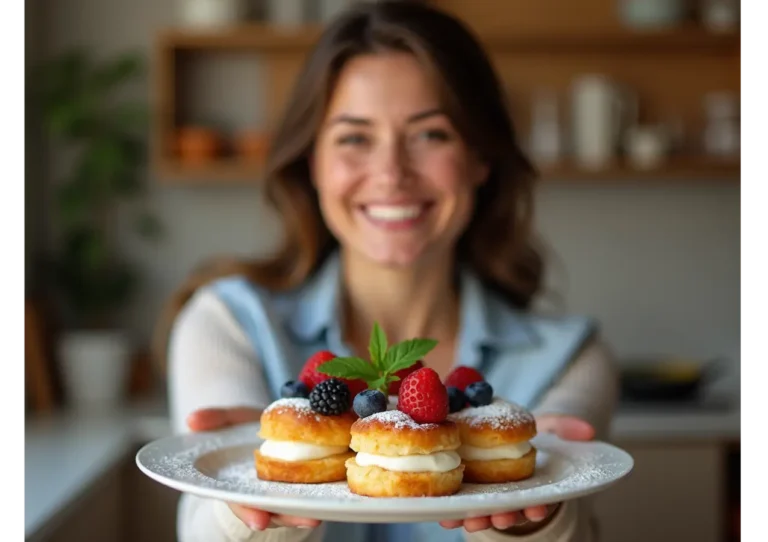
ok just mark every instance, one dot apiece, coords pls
pixel 599 109
pixel 211 13
pixel 286 12
pixel 330 9
pixel 646 146
pixel 651 13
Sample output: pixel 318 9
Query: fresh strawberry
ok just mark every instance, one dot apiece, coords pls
pixel 394 387
pixel 462 376
pixel 423 397
pixel 312 377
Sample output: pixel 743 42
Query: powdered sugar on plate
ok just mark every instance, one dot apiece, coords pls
pixel 221 466
pixel 499 415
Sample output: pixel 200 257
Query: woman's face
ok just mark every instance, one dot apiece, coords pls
pixel 396 181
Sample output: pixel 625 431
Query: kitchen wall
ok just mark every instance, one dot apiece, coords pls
pixel 658 265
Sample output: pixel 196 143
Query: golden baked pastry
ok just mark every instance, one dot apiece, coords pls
pixel 397 457
pixel 495 442
pixel 301 445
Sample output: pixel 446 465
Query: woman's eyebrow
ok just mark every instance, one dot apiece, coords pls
pixel 362 121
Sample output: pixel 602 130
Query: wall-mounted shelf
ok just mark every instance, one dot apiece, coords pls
pixel 677 170
pixel 533 45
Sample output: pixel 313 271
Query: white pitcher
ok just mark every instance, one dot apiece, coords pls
pixel 601 111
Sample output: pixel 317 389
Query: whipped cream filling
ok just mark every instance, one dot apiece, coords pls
pixel 505 451
pixel 436 462
pixel 298 451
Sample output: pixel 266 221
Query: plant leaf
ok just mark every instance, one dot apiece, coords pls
pixel 404 354
pixel 378 346
pixel 352 368
pixel 381 384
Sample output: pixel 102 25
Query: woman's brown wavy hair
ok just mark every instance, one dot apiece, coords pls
pixel 498 242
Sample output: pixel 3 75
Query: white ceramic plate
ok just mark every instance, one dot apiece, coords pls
pixel 220 465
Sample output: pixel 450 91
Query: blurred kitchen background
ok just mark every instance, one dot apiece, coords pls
pixel 149 120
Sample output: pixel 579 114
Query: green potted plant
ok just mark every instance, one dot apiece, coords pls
pixel 100 135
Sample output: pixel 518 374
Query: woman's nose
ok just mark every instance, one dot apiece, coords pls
pixel 390 164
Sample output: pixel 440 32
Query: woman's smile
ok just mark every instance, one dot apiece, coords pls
pixel 396 216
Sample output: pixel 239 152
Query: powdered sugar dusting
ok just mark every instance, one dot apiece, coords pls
pixel 224 462
pixel 398 419
pixel 499 415
pixel 294 403
pixel 297 404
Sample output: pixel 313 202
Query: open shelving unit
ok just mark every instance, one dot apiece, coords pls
pixel 533 45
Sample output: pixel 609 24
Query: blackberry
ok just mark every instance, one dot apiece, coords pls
pixel 479 394
pixel 330 397
pixel 369 402
pixel 294 388
pixel 456 399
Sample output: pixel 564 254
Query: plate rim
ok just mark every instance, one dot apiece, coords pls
pixel 412 506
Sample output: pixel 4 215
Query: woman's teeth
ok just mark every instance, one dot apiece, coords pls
pixel 393 212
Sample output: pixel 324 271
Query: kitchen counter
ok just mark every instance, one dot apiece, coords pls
pixel 66 454
pixel 678 424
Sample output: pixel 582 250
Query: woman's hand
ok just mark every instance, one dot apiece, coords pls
pixel 212 419
pixel 565 427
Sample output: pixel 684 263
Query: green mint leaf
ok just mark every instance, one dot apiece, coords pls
pixel 381 384
pixel 351 368
pixel 378 346
pixel 404 354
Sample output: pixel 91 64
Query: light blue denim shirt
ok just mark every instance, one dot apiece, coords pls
pixel 521 354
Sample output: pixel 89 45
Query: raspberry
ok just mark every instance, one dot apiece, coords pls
pixel 311 377
pixel 394 387
pixel 330 397
pixel 462 376
pixel 423 397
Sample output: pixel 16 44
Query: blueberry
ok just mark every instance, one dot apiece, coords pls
pixel 369 402
pixel 456 399
pixel 294 388
pixel 479 394
pixel 330 397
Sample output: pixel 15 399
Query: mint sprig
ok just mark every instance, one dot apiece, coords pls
pixel 385 361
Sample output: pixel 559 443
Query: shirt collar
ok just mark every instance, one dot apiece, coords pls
pixel 486 321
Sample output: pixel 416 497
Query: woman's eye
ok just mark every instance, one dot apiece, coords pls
pixel 352 139
pixel 435 134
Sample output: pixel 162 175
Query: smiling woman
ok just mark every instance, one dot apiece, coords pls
pixel 405 200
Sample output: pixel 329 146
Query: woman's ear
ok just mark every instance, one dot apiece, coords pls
pixel 480 172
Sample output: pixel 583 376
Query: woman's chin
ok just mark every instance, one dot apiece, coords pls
pixel 395 257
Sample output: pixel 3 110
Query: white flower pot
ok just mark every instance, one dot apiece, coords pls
pixel 94 368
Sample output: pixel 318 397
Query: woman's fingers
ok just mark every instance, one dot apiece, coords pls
pixel 452 523
pixel 258 520
pixel 536 513
pixel 505 520
pixel 211 419
pixel 294 521
pixel 565 427
pixel 477 524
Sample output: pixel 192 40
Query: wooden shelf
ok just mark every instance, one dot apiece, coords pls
pixel 224 171
pixel 533 45
pixel 254 37
pixel 258 37
pixel 682 170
